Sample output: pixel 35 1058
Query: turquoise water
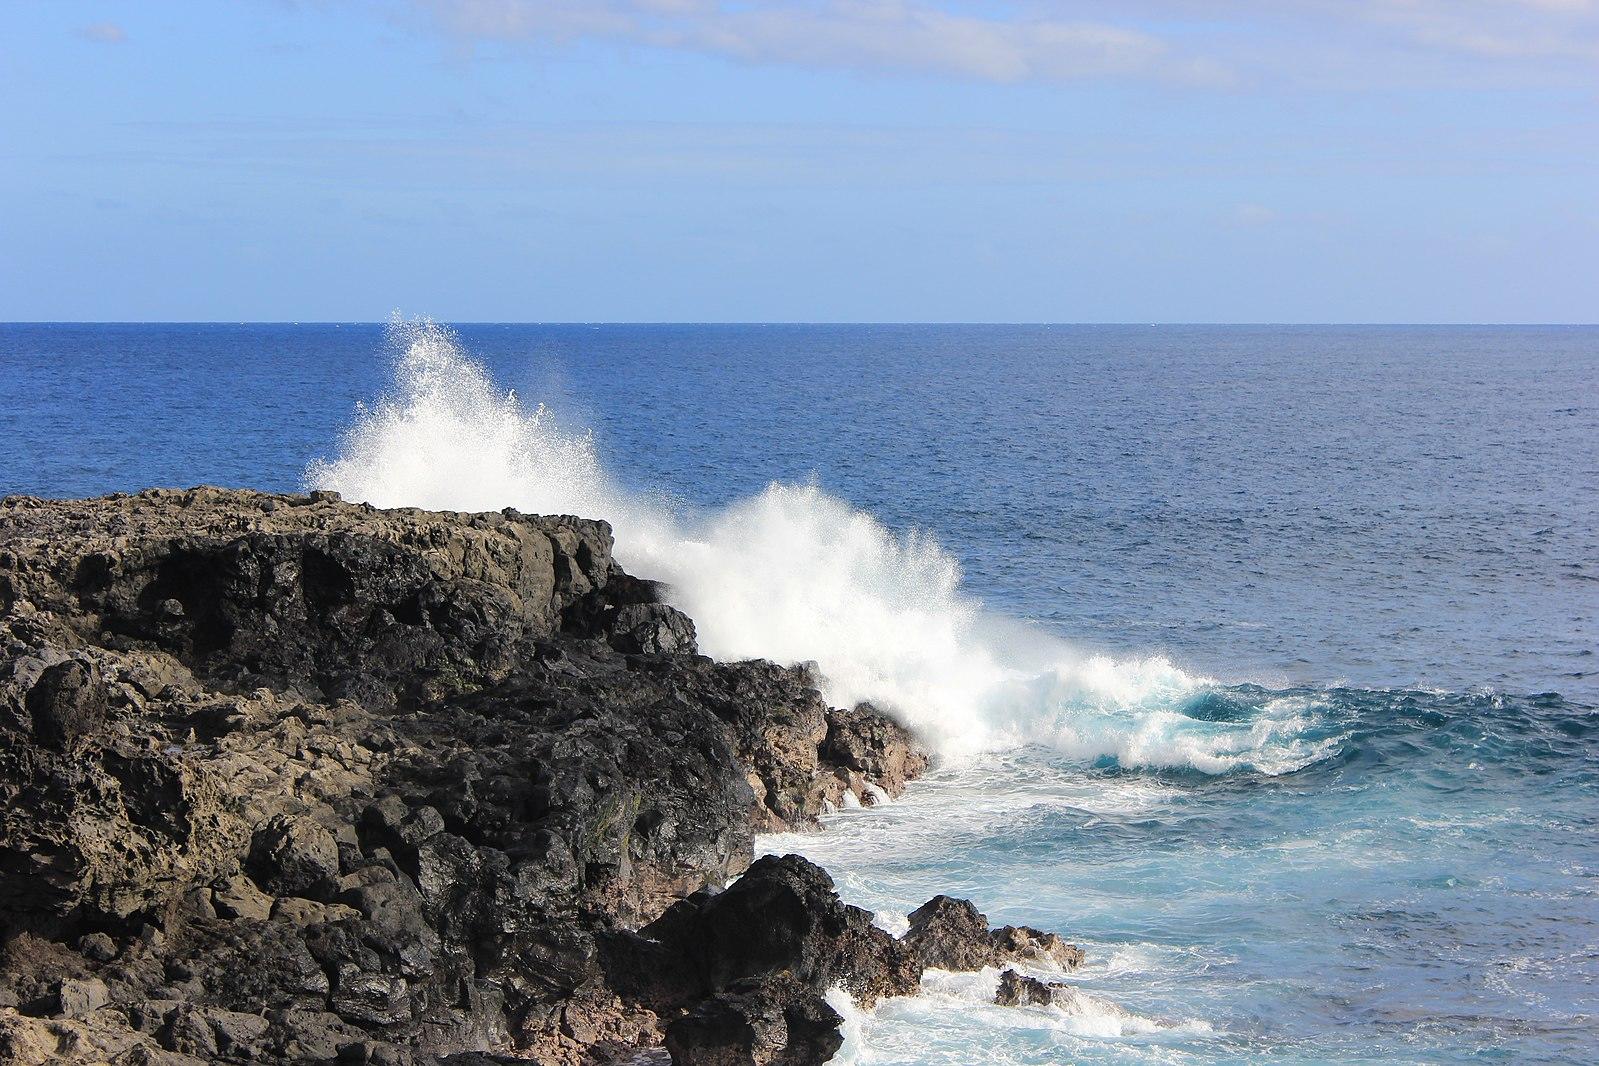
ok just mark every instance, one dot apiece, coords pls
pixel 1259 660
pixel 1426 892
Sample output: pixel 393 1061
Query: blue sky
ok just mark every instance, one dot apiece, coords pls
pixel 883 160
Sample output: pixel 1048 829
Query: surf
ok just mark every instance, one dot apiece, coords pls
pixel 792 574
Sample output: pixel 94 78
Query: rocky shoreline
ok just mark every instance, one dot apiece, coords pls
pixel 289 779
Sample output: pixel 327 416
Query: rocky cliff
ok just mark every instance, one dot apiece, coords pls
pixel 287 779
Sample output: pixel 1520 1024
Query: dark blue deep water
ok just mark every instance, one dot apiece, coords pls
pixel 1351 814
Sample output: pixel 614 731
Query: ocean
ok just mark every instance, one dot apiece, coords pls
pixel 1257 660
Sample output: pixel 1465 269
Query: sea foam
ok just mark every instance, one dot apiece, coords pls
pixel 791 574
pixel 958 1010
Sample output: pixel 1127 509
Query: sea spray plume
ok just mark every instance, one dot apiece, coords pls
pixel 791 574
pixel 446 437
pixel 795 574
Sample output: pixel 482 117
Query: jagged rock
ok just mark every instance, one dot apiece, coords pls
pixel 77 998
pixel 301 1035
pixel 98 947
pixel 68 701
pixel 652 629
pixel 778 723
pixel 630 615
pixel 294 856
pixel 1013 943
pixel 237 1033
pixel 1019 990
pixel 188 1031
pixel 238 897
pixel 94 1041
pixel 784 915
pixel 390 786
pixel 775 1021
pixel 950 934
pixel 304 912
pixel 869 742
pixel 366 998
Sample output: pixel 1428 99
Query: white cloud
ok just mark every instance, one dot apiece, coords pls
pixel 902 35
pixel 104 33
pixel 1485 28
pixel 1214 42
pixel 1498 29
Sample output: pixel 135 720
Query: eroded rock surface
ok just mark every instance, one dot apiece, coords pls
pixel 286 779
pixel 950 934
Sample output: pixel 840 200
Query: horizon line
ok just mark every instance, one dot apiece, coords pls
pixel 783 322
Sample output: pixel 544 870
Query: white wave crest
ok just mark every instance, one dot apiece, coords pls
pixel 790 574
pixel 956 1020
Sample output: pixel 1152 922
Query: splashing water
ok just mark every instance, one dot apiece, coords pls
pixel 791 574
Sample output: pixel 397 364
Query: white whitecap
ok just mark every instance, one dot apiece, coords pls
pixel 792 574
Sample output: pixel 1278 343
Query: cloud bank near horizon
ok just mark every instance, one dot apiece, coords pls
pixel 1218 44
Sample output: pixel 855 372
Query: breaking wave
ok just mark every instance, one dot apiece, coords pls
pixel 792 574
pixel 960 1008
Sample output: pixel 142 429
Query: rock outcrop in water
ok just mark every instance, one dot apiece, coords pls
pixel 287 779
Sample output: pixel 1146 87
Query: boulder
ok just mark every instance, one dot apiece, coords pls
pixel 784 916
pixel 98 947
pixel 1019 990
pixel 294 856
pixel 80 997
pixel 68 701
pixel 238 897
pixel 773 1021
pixel 951 934
pixel 305 912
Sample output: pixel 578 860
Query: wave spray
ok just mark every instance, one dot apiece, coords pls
pixel 790 574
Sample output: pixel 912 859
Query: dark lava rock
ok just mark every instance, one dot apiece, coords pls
pixel 782 916
pixel 287 779
pixel 67 701
pixel 871 743
pixel 294 856
pixel 629 614
pixel 1018 990
pixel 98 947
pixel 950 934
pixel 1022 943
pixel 778 1021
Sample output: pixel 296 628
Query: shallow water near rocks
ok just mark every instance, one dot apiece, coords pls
pixel 1425 892
pixel 1260 660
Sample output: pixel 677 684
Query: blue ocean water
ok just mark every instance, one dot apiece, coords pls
pixel 1307 754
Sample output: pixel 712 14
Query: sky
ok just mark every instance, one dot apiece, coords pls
pixel 744 160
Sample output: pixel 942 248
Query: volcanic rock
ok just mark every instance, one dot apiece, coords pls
pixel 950 934
pixel 1019 990
pixel 294 856
pixel 784 916
pixel 869 742
pixel 776 1021
pixel 288 779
